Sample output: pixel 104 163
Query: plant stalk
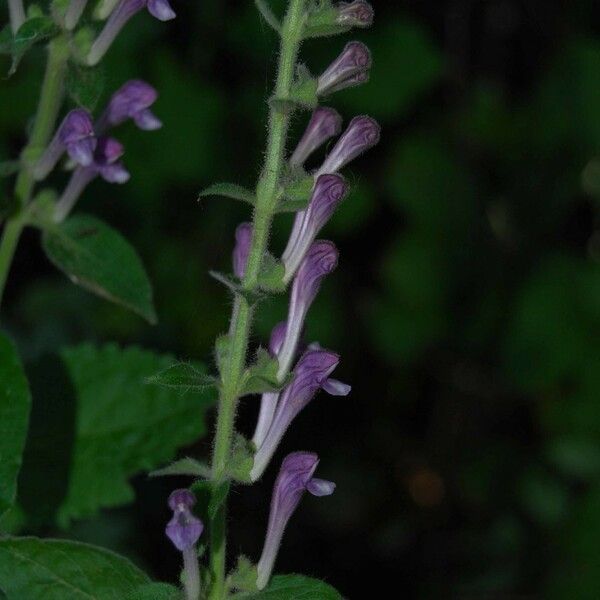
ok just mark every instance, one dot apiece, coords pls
pixel 43 127
pixel 241 322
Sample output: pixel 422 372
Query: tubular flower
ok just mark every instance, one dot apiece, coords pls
pixel 75 136
pixel 355 14
pixel 295 477
pixel 161 9
pixel 184 529
pixel 324 124
pixel 362 133
pixel 328 192
pixel 106 164
pixel 312 370
pixel 131 101
pixel 350 68
pixel 320 260
pixel 243 239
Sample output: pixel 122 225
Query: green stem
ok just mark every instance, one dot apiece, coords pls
pixel 241 322
pixel 43 127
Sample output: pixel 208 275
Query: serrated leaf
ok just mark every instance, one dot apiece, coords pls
pixel 121 426
pixel 229 190
pixel 262 375
pixel 99 259
pixel 32 31
pixel 182 376
pixel 295 587
pixel 9 167
pixel 185 466
pixel 15 403
pixel 85 85
pixel 156 591
pixel 35 569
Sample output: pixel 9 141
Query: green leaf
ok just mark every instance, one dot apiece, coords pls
pixel 9 167
pixel 243 577
pixel 85 85
pixel 35 569
pixel 6 40
pixel 185 466
pixel 182 376
pixel 229 190
pixel 99 259
pixel 242 458
pixel 32 31
pixel 262 375
pixel 219 494
pixel 121 426
pixel 156 591
pixel 295 587
pixel 271 275
pixel 15 402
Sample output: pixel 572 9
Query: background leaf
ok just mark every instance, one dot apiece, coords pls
pixel 15 402
pixel 35 569
pixel 296 587
pixel 156 591
pixel 32 31
pixel 98 258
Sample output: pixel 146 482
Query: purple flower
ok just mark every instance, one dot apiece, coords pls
pixel 324 124
pixel 106 164
pixel 161 9
pixel 74 12
pixel 184 528
pixel 75 135
pixel 312 370
pixel 320 260
pixel 243 240
pixel 362 133
pixel 268 400
pixel 295 476
pixel 354 60
pixel 131 101
pixel 355 14
pixel 328 192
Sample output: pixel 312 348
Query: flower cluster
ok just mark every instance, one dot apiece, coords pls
pixel 91 152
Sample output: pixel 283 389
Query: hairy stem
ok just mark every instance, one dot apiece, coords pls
pixel 43 127
pixel 241 321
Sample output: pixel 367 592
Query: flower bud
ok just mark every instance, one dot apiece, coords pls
pixel 277 337
pixel 184 529
pixel 131 101
pixel 328 192
pixel 324 124
pixel 161 9
pixel 320 260
pixel 243 240
pixel 75 135
pixel 312 370
pixel 355 14
pixel 362 133
pixel 354 60
pixel 295 477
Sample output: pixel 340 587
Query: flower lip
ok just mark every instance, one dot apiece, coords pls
pixel 108 151
pixel 180 499
pixel 76 126
pixel 161 9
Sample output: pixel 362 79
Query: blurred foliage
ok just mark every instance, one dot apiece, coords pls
pixel 466 305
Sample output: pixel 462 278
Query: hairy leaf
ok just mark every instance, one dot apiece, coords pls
pixel 99 259
pixel 15 402
pixel 35 569
pixel 185 466
pixel 122 426
pixel 229 190
pixel 182 376
pixel 295 587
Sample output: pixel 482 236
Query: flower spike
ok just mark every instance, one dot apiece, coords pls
pixel 161 9
pixel 324 124
pixel 312 370
pixel 75 136
pixel 295 477
pixel 131 101
pixel 355 60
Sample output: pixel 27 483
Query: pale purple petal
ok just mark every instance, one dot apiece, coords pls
pixel 324 124
pixel 114 173
pixel 184 529
pixel 277 337
pixel 82 151
pixel 241 250
pixel 147 120
pixel 355 58
pixel 320 487
pixel 131 101
pixel 336 388
pixel 161 9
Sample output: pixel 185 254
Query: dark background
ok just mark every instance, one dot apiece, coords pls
pixel 465 306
